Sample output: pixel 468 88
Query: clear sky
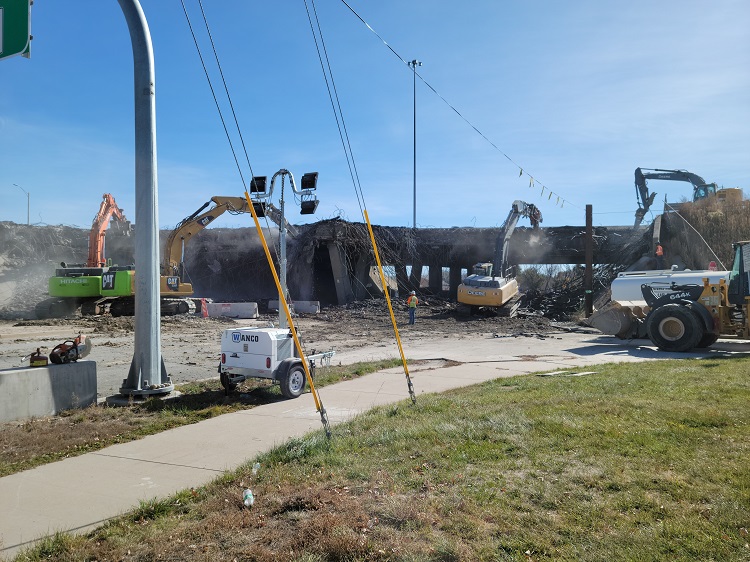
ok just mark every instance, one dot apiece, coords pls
pixel 577 94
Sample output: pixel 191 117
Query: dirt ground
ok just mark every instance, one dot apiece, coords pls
pixel 191 345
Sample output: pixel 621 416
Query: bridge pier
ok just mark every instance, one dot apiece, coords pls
pixel 362 281
pixel 436 278
pixel 454 279
pixel 344 291
pixel 402 280
pixel 415 279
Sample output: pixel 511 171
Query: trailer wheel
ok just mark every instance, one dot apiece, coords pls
pixel 674 327
pixel 228 386
pixel 293 381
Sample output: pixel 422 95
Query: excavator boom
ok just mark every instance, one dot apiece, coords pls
pixel 107 210
pixel 518 209
pixel 701 189
pixel 200 219
pixel 192 224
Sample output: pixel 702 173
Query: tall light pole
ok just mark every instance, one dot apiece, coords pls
pixel 28 203
pixel 414 64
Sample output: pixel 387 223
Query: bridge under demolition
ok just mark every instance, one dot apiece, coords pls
pixel 332 261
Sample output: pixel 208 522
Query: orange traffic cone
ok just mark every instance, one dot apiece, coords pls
pixel 204 308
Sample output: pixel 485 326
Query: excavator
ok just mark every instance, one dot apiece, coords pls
pixel 483 290
pixel 75 285
pixel 98 285
pixel 701 189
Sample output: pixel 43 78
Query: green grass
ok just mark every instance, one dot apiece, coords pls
pixel 41 441
pixel 642 461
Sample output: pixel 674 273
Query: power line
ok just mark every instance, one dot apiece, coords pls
pixel 533 182
pixel 337 111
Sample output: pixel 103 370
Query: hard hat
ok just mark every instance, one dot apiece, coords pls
pixel 413 293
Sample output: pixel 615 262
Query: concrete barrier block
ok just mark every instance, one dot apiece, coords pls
pixel 233 309
pixel 28 392
pixel 300 307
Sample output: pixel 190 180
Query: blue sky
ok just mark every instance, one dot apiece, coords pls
pixel 576 94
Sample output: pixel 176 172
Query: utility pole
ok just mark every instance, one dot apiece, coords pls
pixel 413 65
pixel 588 274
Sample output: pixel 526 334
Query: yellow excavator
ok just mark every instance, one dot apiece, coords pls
pixel 174 250
pixel 492 287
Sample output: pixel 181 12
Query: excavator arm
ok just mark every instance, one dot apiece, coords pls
pixel 107 210
pixel 174 251
pixel 192 224
pixel 701 189
pixel 518 209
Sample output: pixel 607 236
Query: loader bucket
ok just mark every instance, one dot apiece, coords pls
pixel 617 319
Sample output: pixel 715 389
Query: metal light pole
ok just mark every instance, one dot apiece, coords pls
pixel 282 257
pixel 308 205
pixel 147 363
pixel 414 64
pixel 28 203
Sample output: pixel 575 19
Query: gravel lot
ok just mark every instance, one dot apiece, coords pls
pixel 191 344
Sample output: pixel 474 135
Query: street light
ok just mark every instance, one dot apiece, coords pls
pixel 308 205
pixel 28 203
pixel 413 65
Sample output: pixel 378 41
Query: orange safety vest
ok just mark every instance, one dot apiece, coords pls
pixel 659 250
pixel 412 301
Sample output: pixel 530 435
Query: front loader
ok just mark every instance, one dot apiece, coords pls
pixel 682 314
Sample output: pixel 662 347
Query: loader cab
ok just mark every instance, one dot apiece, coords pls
pixel 739 277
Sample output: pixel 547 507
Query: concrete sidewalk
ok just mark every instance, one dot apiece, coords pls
pixel 81 493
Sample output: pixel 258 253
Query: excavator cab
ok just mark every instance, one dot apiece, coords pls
pixel 483 268
pixel 704 190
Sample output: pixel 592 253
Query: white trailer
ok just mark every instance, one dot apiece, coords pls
pixel 264 353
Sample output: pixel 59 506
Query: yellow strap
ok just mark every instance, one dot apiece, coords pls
pixel 282 300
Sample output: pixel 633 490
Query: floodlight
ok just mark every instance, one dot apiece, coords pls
pixel 260 209
pixel 309 181
pixel 258 184
pixel 308 207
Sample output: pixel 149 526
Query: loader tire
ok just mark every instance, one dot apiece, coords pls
pixel 674 327
pixel 707 340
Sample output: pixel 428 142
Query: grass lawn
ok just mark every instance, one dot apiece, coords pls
pixel 640 461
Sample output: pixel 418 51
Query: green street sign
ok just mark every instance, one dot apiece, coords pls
pixel 15 28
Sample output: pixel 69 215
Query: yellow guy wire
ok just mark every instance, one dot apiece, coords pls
pixel 390 308
pixel 282 300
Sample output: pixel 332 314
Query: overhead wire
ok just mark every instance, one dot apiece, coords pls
pixel 355 181
pixel 229 99
pixel 226 89
pixel 532 180
pixel 213 92
pixel 282 297
pixel 337 112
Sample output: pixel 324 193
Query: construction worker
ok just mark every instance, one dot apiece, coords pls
pixel 659 253
pixel 412 302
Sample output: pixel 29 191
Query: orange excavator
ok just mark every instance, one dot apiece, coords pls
pixel 107 211
pixel 81 285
